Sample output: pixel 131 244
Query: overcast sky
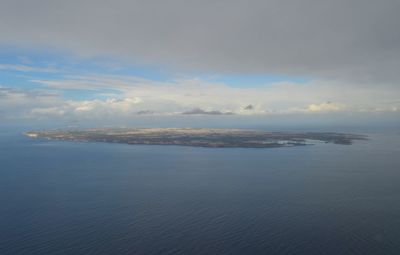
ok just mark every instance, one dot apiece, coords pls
pixel 85 58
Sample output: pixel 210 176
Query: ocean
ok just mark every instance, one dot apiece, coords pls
pixel 97 198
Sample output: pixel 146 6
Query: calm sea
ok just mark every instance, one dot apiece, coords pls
pixel 97 198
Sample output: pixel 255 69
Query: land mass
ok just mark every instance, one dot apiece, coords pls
pixel 199 137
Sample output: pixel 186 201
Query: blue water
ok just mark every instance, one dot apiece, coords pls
pixel 97 198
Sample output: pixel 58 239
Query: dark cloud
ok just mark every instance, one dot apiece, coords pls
pixel 145 112
pixel 357 40
pixel 249 107
pixel 198 111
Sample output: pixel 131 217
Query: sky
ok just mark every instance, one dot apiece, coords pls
pixel 198 63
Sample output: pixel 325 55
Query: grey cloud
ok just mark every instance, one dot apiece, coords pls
pixel 198 111
pixel 145 112
pixel 17 103
pixel 249 107
pixel 6 92
pixel 356 40
pixel 25 68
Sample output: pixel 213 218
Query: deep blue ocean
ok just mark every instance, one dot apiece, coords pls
pixel 98 198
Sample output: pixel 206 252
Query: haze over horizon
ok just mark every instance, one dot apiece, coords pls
pixel 193 63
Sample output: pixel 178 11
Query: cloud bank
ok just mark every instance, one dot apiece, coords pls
pixel 131 96
pixel 346 40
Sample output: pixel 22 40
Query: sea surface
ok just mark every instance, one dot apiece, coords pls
pixel 98 198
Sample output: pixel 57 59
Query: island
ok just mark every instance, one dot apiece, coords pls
pixel 198 137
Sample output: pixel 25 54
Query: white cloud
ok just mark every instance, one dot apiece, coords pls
pixel 111 105
pixel 325 107
pixel 134 96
